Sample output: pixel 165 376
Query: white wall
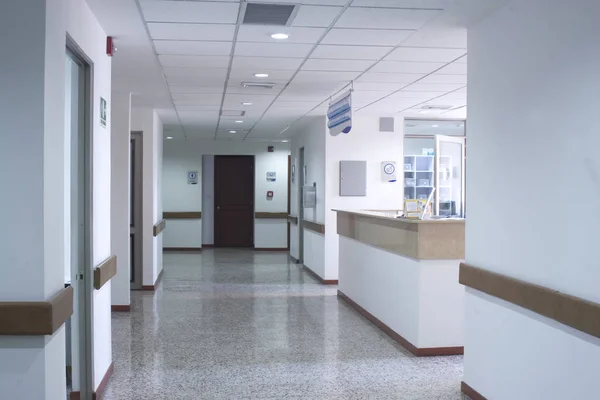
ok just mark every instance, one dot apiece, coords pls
pixel 309 135
pixel 195 155
pixel 533 80
pixel 147 121
pixel 120 195
pixel 208 197
pixel 363 143
pixel 323 153
pixel 178 195
pixel 32 104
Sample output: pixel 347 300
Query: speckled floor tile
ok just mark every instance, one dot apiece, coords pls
pixel 235 324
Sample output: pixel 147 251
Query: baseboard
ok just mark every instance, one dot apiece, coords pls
pixel 182 249
pixel 317 277
pixel 124 308
pixel 151 288
pixel 270 249
pixel 97 395
pixel 102 386
pixel 419 352
pixel 294 259
pixel 470 392
pixel 208 246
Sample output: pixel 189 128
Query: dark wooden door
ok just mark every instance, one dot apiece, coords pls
pixel 234 201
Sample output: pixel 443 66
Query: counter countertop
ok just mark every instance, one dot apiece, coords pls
pixel 392 215
pixel 437 239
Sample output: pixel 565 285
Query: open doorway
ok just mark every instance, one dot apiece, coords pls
pixel 78 210
pixel 234 201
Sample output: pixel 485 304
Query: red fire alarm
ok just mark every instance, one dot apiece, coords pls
pixel 110 46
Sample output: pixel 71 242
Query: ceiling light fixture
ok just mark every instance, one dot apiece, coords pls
pixel 261 75
pixel 280 36
pixel 239 122
pixel 246 104
pixel 232 131
pixel 435 126
pixel 284 141
pixel 169 137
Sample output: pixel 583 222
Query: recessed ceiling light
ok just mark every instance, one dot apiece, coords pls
pixel 239 122
pixel 232 131
pixel 169 137
pixel 435 126
pixel 261 75
pixel 280 36
pixel 284 141
pixel 246 103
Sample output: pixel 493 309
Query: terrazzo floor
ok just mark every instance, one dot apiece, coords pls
pixel 238 324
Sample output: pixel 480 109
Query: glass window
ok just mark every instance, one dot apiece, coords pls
pixel 420 165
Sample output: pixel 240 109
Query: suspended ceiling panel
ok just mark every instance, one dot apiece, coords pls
pixel 366 37
pixel 174 31
pixel 351 52
pixel 193 47
pixel 190 11
pixel 392 50
pixel 194 61
pixel 380 18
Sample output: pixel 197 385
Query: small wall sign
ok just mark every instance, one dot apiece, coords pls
pixel 192 177
pixel 271 176
pixel 102 112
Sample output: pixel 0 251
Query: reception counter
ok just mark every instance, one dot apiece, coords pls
pixel 403 276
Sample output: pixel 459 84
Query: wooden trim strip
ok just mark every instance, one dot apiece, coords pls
pixel 292 219
pixel 105 272
pixel 182 215
pixel 152 288
pixel 36 318
pixel 572 311
pixel 419 352
pixel 270 249
pixel 470 392
pixel 159 227
pixel 182 249
pixel 317 277
pixel 313 226
pixel 120 308
pixel 270 215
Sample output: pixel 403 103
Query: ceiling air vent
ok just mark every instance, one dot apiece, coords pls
pixel 268 14
pixel 259 85
pixel 232 113
pixel 436 108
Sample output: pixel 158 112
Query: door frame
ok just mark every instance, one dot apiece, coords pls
pixel 137 203
pixel 460 140
pixel 301 179
pixel 84 284
pixel 216 206
pixel 289 199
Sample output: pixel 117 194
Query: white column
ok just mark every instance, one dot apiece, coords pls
pixel 147 121
pixel 120 195
pixel 32 178
pixel 533 185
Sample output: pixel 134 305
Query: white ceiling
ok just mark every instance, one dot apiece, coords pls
pixel 401 55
